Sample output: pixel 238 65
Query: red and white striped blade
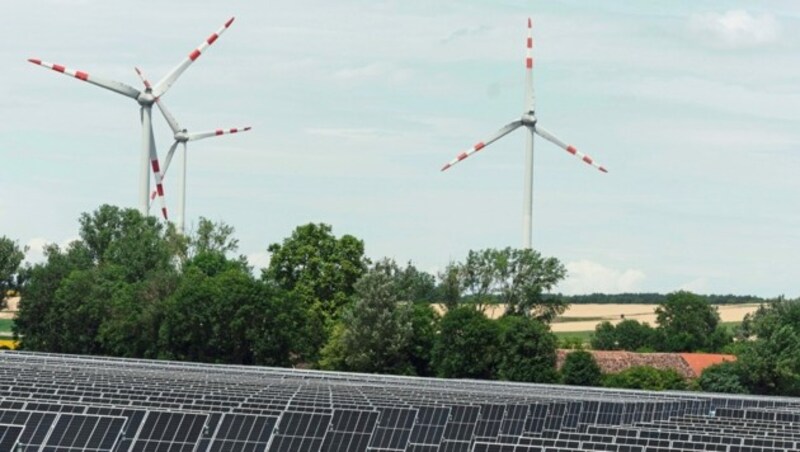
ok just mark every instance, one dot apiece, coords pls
pixel 171 152
pixel 569 148
pixel 482 144
pixel 143 78
pixel 111 85
pixel 216 133
pixel 529 93
pixel 163 85
pixel 157 173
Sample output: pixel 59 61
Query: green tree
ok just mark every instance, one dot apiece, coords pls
pixel 725 377
pixel 11 256
pixel 527 351
pixel 215 237
pixel 449 289
pixel 424 326
pixel 376 330
pixel 466 346
pixel 687 321
pixel 605 337
pixel 581 369
pixel 645 377
pixel 519 278
pixel 634 336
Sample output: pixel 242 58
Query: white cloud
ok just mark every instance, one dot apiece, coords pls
pixel 736 28
pixel 585 277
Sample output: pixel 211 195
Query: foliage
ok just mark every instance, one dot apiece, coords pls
pixel 518 278
pixel 770 346
pixel 527 351
pixel 605 337
pixel 424 328
pixel 11 256
pixel 581 369
pixel 376 331
pixel 725 377
pixel 688 323
pixel 213 237
pixel 449 289
pixel 466 346
pixel 645 377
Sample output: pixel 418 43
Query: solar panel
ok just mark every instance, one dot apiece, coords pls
pixel 300 431
pixel 9 434
pixel 80 432
pixel 179 432
pixel 350 430
pixel 242 432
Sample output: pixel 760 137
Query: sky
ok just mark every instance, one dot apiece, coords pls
pixel 693 106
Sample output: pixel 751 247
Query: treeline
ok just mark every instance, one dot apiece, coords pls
pixel 133 287
pixel 654 298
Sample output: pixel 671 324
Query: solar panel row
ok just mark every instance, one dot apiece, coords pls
pixel 64 403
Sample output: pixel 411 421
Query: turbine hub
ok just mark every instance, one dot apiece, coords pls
pixel 529 119
pixel 182 136
pixel 146 98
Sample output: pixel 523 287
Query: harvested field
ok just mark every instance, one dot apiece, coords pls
pixel 585 317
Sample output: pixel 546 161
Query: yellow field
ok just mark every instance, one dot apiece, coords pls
pixel 10 343
pixel 615 313
pixel 641 312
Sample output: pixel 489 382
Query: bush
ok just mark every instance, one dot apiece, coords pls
pixel 724 377
pixel 581 369
pixel 527 351
pixel 645 377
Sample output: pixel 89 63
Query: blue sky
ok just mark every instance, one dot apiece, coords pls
pixel 355 105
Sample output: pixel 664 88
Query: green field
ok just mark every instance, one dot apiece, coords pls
pixel 585 336
pixel 5 326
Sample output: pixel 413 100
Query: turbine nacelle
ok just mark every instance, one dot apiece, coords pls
pixel 528 119
pixel 182 136
pixel 146 98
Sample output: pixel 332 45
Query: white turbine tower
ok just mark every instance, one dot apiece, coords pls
pixel 145 99
pixel 182 136
pixel 529 121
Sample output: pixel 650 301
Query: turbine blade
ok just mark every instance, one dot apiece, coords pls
pixel 163 85
pixel 166 167
pixel 482 144
pixel 569 148
pixel 142 77
pixel 157 173
pixel 173 124
pixel 110 85
pixel 215 133
pixel 529 93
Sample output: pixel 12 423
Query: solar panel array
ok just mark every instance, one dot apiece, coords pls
pixel 69 403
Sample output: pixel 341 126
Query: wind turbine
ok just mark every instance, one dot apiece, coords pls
pixel 145 99
pixel 529 121
pixel 182 136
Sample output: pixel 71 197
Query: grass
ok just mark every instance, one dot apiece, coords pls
pixel 5 326
pixel 577 319
pixel 574 335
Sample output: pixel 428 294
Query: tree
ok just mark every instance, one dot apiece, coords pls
pixel 581 369
pixel 11 256
pixel 466 346
pixel 210 236
pixel 604 337
pixel 527 351
pixel 634 336
pixel 645 377
pixel 424 326
pixel 449 289
pixel 517 277
pixel 687 321
pixel 724 377
pixel 319 266
pixel 376 330
pixel 768 359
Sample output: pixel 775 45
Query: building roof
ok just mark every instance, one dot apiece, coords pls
pixel 688 365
